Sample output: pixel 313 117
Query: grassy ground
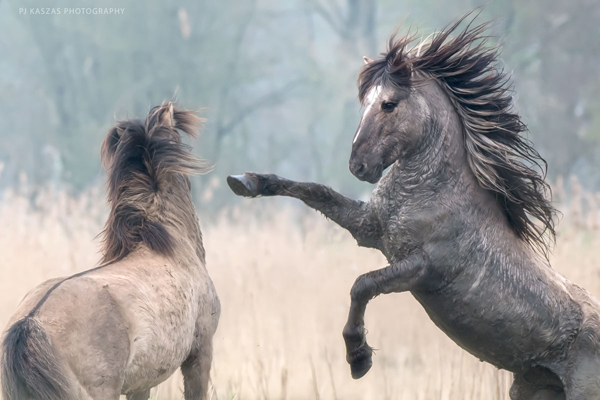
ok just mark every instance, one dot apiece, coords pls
pixel 284 280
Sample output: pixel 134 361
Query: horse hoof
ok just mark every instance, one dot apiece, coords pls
pixel 361 362
pixel 359 369
pixel 243 185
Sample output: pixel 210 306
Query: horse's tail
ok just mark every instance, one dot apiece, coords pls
pixel 147 166
pixel 30 368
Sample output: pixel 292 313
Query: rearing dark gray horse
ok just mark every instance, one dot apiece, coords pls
pixel 452 217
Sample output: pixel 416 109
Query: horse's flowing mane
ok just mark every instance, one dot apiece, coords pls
pixel 499 156
pixel 147 166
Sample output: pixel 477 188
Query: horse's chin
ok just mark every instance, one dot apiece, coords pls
pixel 377 174
pixel 374 180
pixel 373 176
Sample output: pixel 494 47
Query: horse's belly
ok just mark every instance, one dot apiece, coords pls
pixel 492 334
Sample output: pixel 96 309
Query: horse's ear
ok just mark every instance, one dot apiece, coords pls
pixel 165 117
pixel 109 145
pixel 367 60
pixel 169 116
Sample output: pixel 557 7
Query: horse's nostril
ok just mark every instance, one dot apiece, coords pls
pixel 361 168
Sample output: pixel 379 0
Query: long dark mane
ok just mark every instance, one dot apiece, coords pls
pixel 503 161
pixel 147 166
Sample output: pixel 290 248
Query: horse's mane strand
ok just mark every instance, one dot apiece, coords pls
pixel 143 158
pixel 502 160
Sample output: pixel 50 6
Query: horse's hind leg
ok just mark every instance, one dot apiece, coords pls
pixel 583 371
pixel 145 395
pixel 196 372
pixel 584 382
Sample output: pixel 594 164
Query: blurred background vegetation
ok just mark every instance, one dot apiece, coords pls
pixel 276 80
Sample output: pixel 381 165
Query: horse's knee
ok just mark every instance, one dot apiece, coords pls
pixel 363 289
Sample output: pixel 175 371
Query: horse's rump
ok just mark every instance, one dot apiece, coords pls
pixel 30 366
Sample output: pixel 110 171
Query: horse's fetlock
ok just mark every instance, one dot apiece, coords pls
pixel 353 334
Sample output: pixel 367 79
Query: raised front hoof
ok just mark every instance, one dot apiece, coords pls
pixel 243 185
pixel 361 361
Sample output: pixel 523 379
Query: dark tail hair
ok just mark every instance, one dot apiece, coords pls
pixel 30 367
pixel 143 158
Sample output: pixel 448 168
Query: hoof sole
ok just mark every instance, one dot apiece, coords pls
pixel 242 185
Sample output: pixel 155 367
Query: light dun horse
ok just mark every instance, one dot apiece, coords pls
pixel 149 309
pixel 452 217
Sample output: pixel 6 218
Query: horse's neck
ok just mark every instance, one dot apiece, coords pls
pixel 435 176
pixel 183 225
pixel 438 163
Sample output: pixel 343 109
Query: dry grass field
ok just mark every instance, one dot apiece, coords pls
pixel 283 275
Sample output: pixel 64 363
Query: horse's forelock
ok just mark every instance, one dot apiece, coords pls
pixel 392 68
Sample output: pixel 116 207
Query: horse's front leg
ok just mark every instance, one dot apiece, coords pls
pixel 353 215
pixel 398 277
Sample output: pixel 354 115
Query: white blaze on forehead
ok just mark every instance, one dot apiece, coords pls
pixel 369 101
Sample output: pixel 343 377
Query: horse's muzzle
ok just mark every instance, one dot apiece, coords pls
pixel 365 172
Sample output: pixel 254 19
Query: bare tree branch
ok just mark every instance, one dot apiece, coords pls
pixel 337 26
pixel 231 66
pixel 267 100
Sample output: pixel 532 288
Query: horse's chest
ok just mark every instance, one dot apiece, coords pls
pixel 401 228
pixel 393 240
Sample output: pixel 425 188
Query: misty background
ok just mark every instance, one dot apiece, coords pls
pixel 275 79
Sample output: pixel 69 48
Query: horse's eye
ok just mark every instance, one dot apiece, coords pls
pixel 388 106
